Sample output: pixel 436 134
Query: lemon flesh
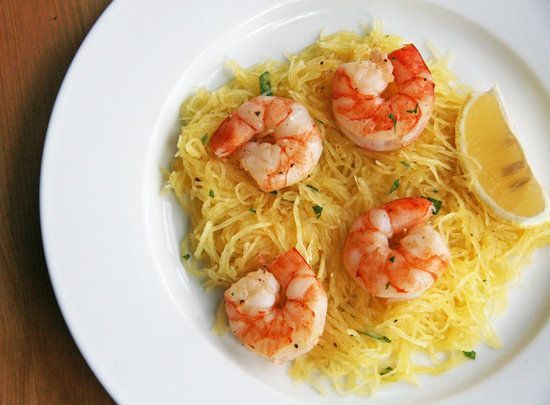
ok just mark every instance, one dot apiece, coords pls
pixel 503 180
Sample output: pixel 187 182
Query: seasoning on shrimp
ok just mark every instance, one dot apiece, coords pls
pixel 406 270
pixel 287 143
pixel 279 328
pixel 385 102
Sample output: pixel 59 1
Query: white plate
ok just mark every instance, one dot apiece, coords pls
pixel 111 238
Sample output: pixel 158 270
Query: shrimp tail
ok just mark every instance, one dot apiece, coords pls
pixel 230 135
pixel 408 212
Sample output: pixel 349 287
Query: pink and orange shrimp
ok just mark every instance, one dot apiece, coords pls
pixel 278 325
pixel 274 138
pixel 393 253
pixel 384 103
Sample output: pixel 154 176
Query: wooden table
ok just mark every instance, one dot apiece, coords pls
pixel 39 361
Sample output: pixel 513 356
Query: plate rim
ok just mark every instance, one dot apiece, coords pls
pixel 113 11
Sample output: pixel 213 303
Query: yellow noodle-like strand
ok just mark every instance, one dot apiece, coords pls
pixel 236 227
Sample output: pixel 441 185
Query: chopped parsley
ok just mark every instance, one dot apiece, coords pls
pixel 394 186
pixel 274 192
pixel 376 336
pixel 211 193
pixel 312 187
pixel 437 204
pixel 406 164
pixel 252 210
pixel 392 259
pixel 385 371
pixel 265 84
pixel 186 256
pixel 318 210
pixel 393 119
pixel 470 355
pixel 204 139
pixel 415 111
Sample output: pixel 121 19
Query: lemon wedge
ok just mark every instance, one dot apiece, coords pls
pixel 502 177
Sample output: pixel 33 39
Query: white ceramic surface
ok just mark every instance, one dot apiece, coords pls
pixel 111 237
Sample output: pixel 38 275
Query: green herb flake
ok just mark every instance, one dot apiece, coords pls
pixel 394 120
pixel 406 164
pixel 394 186
pixel 274 192
pixel 470 355
pixel 415 111
pixel 186 256
pixel 252 210
pixel 376 336
pixel 265 84
pixel 386 371
pixel 211 193
pixel 318 210
pixel 437 204
pixel 204 139
pixel 392 259
pixel 312 187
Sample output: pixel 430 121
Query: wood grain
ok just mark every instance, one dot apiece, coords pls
pixel 39 361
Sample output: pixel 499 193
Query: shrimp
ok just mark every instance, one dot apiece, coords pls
pixel 287 143
pixel 402 267
pixel 278 326
pixel 385 102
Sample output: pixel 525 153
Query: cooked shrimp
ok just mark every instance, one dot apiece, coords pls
pixel 402 267
pixel 385 102
pixel 287 143
pixel 278 326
